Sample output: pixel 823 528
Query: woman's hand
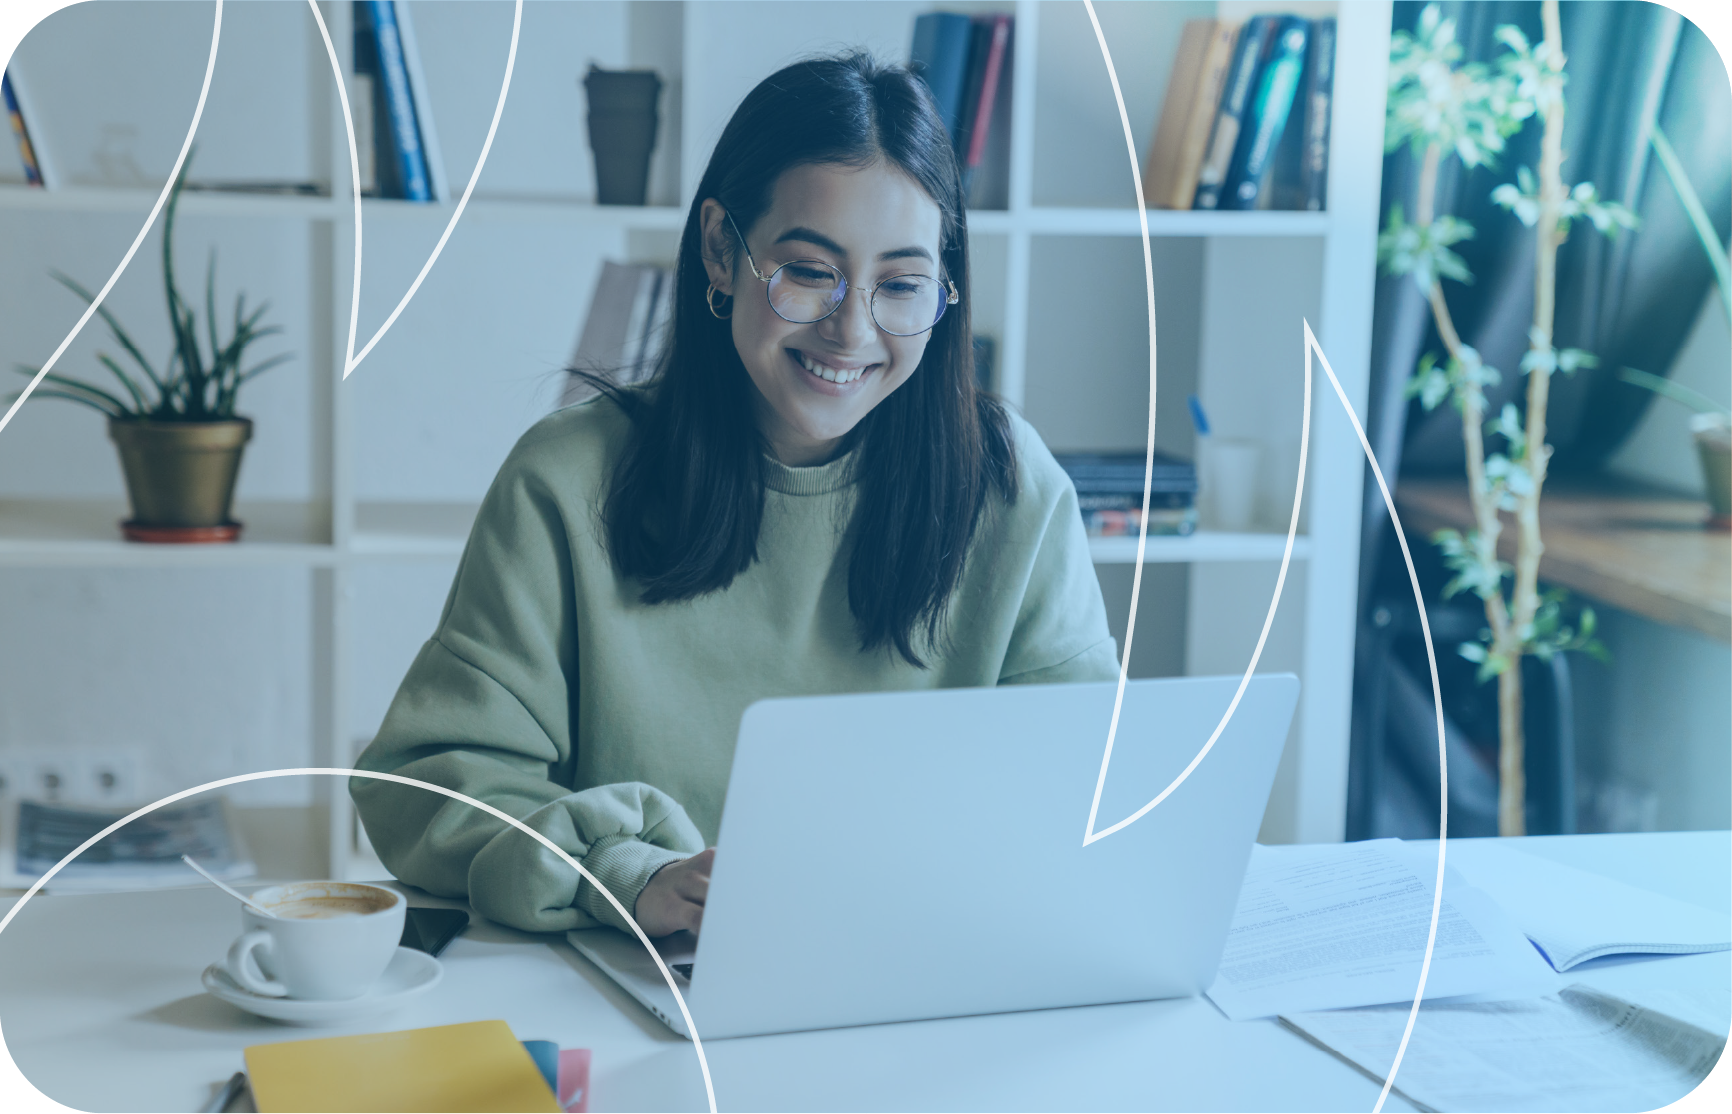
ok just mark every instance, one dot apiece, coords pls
pixel 674 898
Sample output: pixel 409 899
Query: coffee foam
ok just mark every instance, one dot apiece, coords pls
pixel 315 907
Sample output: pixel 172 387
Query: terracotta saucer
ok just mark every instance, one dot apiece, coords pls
pixel 181 535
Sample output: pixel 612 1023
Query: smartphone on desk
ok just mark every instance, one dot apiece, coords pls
pixel 430 930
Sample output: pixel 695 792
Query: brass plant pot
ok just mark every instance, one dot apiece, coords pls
pixel 180 477
pixel 1713 433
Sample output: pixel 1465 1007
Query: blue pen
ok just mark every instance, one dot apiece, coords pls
pixel 1198 418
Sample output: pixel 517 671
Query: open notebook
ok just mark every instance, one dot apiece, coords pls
pixel 1573 915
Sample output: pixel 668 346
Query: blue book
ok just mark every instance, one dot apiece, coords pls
pixel 1266 115
pixel 940 56
pixel 399 102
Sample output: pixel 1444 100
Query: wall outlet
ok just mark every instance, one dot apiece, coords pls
pixel 72 775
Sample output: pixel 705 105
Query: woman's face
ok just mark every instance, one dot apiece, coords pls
pixel 815 382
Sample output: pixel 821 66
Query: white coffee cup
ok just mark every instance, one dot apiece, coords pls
pixel 324 941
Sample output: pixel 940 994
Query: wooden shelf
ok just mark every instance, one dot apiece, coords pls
pixel 1636 548
pixel 86 532
pixel 1205 545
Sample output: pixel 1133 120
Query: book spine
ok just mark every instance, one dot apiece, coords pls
pixel 988 90
pixel 940 57
pixel 399 102
pixel 1160 175
pixel 1267 116
pixel 431 156
pixel 1319 102
pixel 979 46
pixel 1224 139
pixel 26 153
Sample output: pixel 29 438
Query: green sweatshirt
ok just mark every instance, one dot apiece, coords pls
pixel 550 691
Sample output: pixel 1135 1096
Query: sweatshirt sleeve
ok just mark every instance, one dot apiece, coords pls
pixel 487 710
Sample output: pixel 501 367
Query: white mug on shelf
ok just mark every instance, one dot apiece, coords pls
pixel 1229 482
pixel 324 940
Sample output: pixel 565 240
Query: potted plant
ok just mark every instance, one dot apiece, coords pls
pixel 1711 426
pixel 179 437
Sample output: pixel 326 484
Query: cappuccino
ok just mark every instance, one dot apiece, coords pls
pixel 319 908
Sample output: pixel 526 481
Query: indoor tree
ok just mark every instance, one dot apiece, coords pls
pixel 1442 107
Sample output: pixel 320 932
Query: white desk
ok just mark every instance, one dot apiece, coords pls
pixel 102 1010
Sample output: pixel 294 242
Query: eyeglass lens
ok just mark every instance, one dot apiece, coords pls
pixel 805 291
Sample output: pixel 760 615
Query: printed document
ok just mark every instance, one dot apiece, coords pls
pixel 1330 926
pixel 1579 1049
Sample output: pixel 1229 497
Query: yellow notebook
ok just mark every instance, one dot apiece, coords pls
pixel 478 1065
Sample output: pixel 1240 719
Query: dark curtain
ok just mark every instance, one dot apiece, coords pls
pixel 1629 299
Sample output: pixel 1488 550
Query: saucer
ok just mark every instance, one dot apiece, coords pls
pixel 409 973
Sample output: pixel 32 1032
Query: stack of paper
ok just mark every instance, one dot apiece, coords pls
pixel 1580 1049
pixel 1329 926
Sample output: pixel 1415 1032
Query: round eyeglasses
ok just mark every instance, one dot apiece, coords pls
pixel 805 291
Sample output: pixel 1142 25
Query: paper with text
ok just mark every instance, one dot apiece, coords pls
pixel 1330 926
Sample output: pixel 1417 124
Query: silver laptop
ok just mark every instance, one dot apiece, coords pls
pixel 899 856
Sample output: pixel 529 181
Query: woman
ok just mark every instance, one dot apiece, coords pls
pixel 810 496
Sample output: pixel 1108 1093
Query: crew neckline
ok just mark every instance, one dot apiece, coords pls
pixel 815 479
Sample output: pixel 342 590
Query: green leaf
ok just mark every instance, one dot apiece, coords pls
pixel 1692 203
pixel 49 392
pixel 126 380
pixel 261 368
pixel 1677 392
pixel 113 324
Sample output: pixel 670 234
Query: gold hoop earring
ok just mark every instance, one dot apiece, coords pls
pixel 710 300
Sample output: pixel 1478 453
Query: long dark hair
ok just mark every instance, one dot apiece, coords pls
pixel 687 496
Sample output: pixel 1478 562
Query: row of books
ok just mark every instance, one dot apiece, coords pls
pixel 966 62
pixel 397 146
pixel 1109 488
pixel 1245 124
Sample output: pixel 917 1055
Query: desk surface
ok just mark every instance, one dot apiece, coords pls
pixel 1634 548
pixel 101 1009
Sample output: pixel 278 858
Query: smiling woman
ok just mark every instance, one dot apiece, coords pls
pixel 809 496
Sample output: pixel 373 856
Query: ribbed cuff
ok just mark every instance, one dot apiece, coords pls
pixel 624 865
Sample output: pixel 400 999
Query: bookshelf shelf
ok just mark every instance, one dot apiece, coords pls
pixel 1204 545
pixel 50 533
pixel 1050 221
pixel 395 458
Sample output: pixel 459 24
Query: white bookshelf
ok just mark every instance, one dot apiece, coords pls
pixel 1238 348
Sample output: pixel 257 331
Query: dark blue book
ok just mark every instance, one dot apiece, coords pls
pixel 1248 55
pixel 940 56
pixel 410 159
pixel 1319 101
pixel 1266 115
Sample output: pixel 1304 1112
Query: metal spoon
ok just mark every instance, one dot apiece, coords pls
pixel 236 894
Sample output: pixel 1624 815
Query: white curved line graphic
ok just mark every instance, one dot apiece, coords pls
pixel 1437 703
pixel 161 199
pixel 697 1043
pixel 1311 346
pixel 351 358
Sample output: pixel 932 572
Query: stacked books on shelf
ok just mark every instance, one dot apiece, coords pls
pixel 145 854
pixel 966 62
pixel 1109 490
pixel 397 147
pixel 1245 123
pixel 623 334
